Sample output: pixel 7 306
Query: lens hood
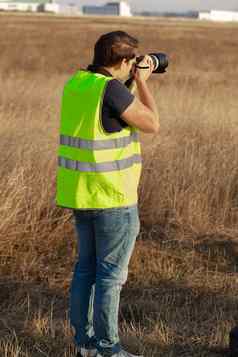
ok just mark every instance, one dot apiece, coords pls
pixel 161 62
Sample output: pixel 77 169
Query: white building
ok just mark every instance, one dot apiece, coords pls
pixel 125 9
pixel 66 9
pixel 204 16
pixel 42 6
pixel 219 15
pixel 19 6
pixel 116 8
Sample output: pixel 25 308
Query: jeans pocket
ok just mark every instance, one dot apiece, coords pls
pixel 134 220
pixel 116 232
pixel 132 231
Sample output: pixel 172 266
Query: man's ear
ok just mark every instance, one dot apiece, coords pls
pixel 124 61
pixel 119 64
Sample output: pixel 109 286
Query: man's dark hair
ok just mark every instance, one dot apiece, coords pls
pixel 112 47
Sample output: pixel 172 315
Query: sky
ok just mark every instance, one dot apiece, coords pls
pixel 173 5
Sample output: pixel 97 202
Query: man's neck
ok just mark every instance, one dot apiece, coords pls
pixel 107 71
pixel 112 72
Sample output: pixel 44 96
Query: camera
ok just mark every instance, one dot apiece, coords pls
pixel 160 61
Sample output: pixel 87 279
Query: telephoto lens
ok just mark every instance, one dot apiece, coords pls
pixel 160 61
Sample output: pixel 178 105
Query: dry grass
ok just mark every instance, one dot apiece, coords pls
pixel 181 295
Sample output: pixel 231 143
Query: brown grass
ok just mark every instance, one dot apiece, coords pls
pixel 181 295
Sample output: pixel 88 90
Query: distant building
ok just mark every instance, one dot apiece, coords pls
pixel 185 14
pixel 32 6
pixel 218 15
pixel 69 8
pixel 40 6
pixel 116 8
pixel 204 15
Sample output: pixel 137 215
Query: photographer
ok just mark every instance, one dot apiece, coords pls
pixel 98 176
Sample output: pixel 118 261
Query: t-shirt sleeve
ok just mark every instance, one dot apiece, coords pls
pixel 117 97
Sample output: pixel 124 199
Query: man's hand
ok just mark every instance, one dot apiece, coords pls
pixel 142 74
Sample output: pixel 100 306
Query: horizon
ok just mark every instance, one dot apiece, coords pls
pixel 155 5
pixel 172 5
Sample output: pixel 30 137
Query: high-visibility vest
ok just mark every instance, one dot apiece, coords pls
pixel 95 169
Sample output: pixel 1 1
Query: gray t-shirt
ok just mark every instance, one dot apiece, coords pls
pixel 117 98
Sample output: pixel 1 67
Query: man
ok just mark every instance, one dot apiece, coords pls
pixel 98 176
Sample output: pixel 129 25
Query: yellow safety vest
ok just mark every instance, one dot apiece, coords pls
pixel 96 169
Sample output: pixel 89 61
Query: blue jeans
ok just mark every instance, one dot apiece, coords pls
pixel 106 239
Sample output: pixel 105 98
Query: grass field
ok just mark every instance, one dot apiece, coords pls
pixel 180 298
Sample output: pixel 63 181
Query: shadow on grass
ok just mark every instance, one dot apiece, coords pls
pixel 218 250
pixel 191 317
pixel 198 320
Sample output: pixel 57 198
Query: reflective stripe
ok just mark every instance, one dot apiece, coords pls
pixel 98 144
pixel 100 167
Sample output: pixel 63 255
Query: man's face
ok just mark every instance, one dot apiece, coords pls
pixel 126 67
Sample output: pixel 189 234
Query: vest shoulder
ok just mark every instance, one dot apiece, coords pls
pixel 84 75
pixel 87 73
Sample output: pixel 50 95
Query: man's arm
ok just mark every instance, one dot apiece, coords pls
pixel 131 85
pixel 142 113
